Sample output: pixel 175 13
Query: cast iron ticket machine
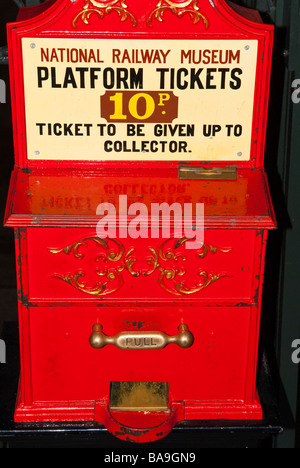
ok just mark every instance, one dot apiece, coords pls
pixel 141 210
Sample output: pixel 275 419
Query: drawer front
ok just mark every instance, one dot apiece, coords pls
pixel 217 366
pixel 70 264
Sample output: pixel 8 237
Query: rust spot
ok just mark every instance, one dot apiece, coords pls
pixel 25 300
pixel 161 434
pixel 26 170
pixel 131 432
pixel 139 324
pixel 256 295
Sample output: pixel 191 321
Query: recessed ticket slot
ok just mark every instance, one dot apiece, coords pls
pixel 136 396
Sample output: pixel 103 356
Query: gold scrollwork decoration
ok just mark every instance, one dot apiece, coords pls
pixel 74 280
pixel 209 248
pixel 179 8
pixel 111 274
pixel 179 288
pixel 207 280
pixel 104 8
pixel 75 247
pixel 167 259
pixel 130 261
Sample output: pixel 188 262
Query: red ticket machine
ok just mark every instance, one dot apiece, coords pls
pixel 141 210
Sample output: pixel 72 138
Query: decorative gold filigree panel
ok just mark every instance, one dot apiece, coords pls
pixel 178 8
pixel 103 8
pixel 116 260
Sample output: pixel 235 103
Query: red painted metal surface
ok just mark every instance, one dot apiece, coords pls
pixel 69 279
pixel 68 197
pixel 141 269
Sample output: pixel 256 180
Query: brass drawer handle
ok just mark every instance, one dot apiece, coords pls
pixel 141 339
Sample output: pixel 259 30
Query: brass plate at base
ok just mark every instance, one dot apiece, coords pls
pixel 138 396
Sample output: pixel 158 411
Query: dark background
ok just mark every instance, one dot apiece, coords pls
pixel 8 310
pixel 281 302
